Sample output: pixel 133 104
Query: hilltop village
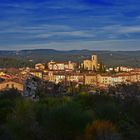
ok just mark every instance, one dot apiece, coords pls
pixel 60 76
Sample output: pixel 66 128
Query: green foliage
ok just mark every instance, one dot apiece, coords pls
pixel 64 122
pixel 109 58
pixel 7 103
pixel 11 62
pixel 11 94
pixel 68 118
pixel 6 107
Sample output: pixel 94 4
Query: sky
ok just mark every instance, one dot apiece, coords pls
pixel 70 24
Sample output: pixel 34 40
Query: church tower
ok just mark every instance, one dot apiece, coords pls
pixel 94 60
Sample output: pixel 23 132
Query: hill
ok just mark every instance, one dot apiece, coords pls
pixel 109 58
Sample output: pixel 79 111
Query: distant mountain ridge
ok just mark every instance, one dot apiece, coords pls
pixel 109 58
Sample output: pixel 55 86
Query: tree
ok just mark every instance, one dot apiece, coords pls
pixel 10 94
pixel 101 130
pixel 64 122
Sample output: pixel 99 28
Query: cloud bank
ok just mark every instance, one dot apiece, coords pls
pixel 79 24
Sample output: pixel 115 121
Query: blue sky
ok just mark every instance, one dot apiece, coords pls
pixel 70 24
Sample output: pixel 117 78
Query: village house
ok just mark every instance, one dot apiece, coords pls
pixel 90 79
pixel 39 66
pixel 104 79
pixel 75 77
pixel 61 66
pixel 9 84
pixel 62 76
pixel 135 75
pixel 59 77
pixel 116 79
pixel 126 78
pixel 123 69
pixel 56 76
pixel 37 73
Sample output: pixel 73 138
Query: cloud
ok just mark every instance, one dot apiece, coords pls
pixel 47 21
pixel 131 29
pixel 91 45
pixel 121 29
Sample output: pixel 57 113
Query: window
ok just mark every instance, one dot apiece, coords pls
pixel 7 85
pixel 12 85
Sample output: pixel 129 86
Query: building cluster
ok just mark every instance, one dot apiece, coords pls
pixel 118 78
pixel 93 78
pixel 86 73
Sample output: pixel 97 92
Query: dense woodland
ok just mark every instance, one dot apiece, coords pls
pixel 73 117
pixel 11 62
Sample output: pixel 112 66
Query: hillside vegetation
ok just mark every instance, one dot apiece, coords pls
pixel 109 58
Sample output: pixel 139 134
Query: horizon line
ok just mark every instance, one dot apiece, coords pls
pixel 33 49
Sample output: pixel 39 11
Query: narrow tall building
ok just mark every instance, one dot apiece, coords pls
pixel 94 62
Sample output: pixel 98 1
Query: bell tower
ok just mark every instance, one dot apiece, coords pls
pixel 94 60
